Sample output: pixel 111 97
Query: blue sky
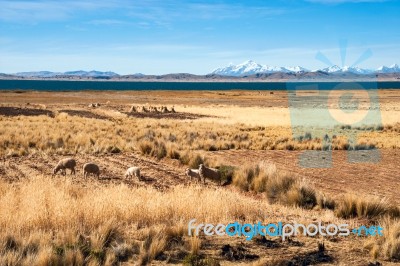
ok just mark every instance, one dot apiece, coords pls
pixel 170 36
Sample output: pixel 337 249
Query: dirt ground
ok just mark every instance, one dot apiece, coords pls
pixel 159 174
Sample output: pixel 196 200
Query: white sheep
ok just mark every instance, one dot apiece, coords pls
pixel 153 109
pixel 193 173
pixel 164 110
pixel 91 168
pixel 67 163
pixel 211 173
pixel 133 171
pixel 144 109
pixel 133 109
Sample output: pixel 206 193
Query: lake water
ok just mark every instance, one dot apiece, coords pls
pixel 64 85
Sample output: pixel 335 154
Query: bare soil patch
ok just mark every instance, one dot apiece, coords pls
pixel 16 111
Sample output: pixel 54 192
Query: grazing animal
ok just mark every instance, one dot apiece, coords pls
pixel 91 168
pixel 133 109
pixel 193 173
pixel 164 110
pixel 210 173
pixel 133 171
pixel 67 163
pixel 144 109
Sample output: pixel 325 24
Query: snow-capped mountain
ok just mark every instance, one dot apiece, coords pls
pixel 250 67
pixel 79 73
pixel 331 69
pixel 391 69
pixel 346 69
pixel 297 69
pixel 357 70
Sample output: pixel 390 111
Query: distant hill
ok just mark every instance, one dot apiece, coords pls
pixel 78 73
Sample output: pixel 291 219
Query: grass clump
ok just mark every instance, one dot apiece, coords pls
pixel 353 206
pixel 145 147
pixel 172 152
pixel 387 246
pixel 325 202
pixel 153 148
pixel 301 195
pixel 159 150
pixel 192 160
pixel 227 172
pixel 279 187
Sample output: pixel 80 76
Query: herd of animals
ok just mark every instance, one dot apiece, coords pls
pixel 143 109
pixel 151 109
pixel 199 174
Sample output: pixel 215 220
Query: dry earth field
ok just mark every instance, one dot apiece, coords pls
pixel 48 219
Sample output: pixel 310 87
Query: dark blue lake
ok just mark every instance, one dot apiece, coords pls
pixel 64 85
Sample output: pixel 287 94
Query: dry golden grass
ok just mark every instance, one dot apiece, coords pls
pixel 65 134
pixel 56 221
pixel 387 246
pixel 279 186
pixel 262 116
pixel 369 207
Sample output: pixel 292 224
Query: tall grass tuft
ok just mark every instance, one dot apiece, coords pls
pixel 192 160
pixel 280 187
pixel 356 206
pixel 387 246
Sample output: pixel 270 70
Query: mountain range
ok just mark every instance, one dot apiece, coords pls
pixel 247 68
pixel 250 68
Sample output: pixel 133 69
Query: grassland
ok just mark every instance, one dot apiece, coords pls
pixel 54 220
